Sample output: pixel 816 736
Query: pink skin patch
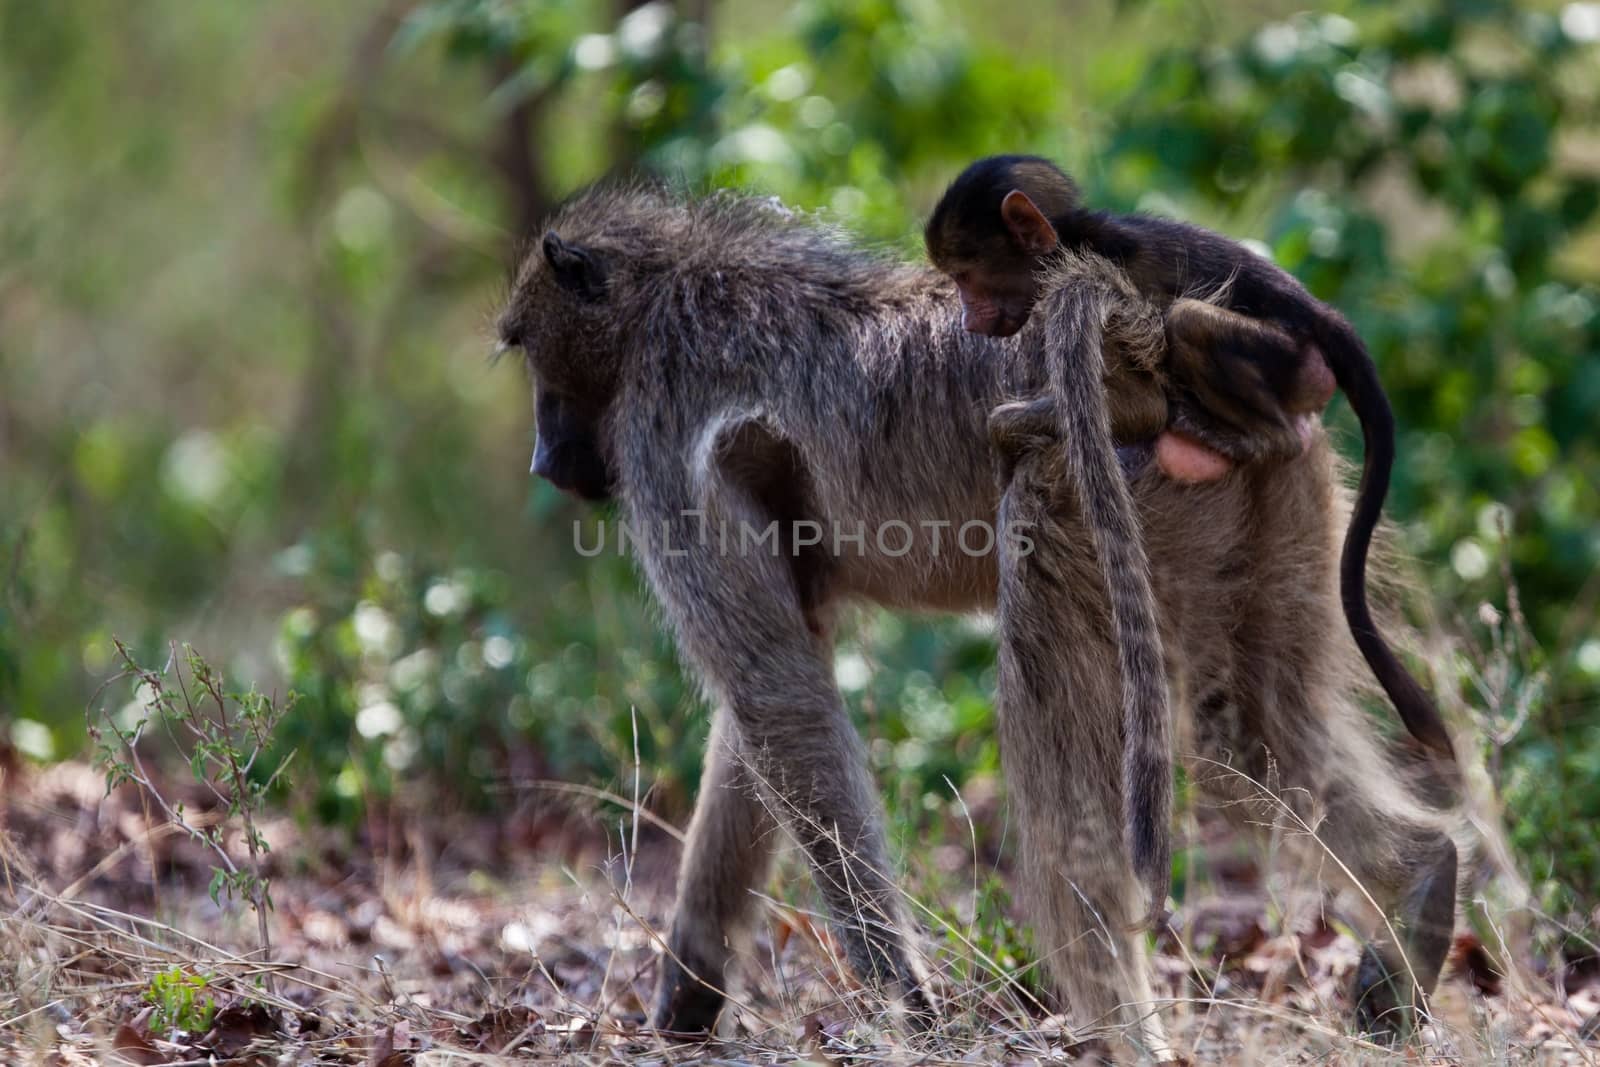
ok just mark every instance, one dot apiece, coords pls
pixel 1306 427
pixel 1317 384
pixel 1183 459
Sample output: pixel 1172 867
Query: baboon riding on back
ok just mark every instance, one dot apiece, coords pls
pixel 718 366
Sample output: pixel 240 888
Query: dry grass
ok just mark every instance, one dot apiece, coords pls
pixel 533 937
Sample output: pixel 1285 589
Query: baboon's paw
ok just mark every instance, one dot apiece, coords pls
pixel 684 1004
pixel 1017 426
pixel 1384 1008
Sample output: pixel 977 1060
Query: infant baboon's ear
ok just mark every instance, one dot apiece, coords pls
pixel 576 269
pixel 1028 226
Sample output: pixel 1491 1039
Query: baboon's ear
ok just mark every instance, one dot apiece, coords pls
pixel 576 269
pixel 1027 223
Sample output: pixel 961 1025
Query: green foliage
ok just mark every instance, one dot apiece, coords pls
pixel 181 1001
pixel 436 677
pixel 446 677
pixel 246 257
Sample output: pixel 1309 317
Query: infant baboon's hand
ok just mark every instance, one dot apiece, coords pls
pixel 1021 426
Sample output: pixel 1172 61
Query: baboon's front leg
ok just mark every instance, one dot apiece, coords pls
pixel 1061 746
pixel 740 620
pixel 813 764
pixel 724 862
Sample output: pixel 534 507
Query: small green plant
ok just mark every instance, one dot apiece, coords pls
pixel 991 948
pixel 225 737
pixel 181 1002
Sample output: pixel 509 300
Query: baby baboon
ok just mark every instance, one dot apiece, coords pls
pixel 728 371
pixel 1003 215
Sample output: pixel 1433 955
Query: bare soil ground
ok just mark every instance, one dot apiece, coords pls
pixel 532 936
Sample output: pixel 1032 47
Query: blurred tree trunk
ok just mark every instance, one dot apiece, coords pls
pixel 309 480
pixel 520 158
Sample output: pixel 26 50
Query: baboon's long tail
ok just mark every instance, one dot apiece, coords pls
pixel 1353 370
pixel 1076 368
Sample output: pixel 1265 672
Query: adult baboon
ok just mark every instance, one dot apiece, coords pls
pixel 720 366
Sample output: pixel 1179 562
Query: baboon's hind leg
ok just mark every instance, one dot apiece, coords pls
pixel 1400 965
pixel 1286 760
pixel 725 859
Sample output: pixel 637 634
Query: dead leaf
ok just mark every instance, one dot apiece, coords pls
pixel 134 1043
pixel 1470 960
pixel 502 1029
pixel 393 1047
pixel 237 1026
pixel 1226 928
pixel 575 1030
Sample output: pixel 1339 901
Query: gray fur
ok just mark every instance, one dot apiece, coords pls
pixel 1078 295
pixel 741 364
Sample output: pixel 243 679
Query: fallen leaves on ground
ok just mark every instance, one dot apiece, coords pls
pixel 524 936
